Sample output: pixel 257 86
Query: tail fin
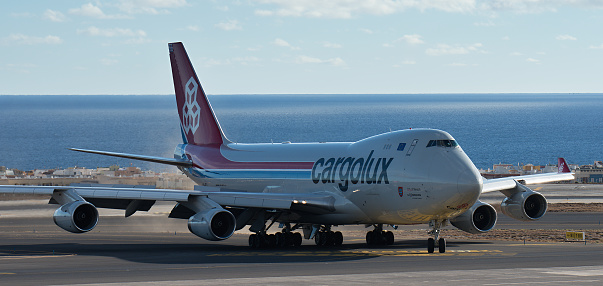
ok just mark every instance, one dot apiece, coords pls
pixel 198 123
pixel 562 166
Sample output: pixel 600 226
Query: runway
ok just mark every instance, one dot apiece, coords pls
pixel 150 249
pixel 113 254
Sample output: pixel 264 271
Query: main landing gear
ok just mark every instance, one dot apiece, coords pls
pixel 378 236
pixel 285 238
pixel 326 237
pixel 436 225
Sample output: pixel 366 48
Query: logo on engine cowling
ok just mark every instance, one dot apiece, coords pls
pixel 191 112
pixel 345 170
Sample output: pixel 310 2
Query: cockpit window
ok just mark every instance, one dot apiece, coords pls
pixel 442 143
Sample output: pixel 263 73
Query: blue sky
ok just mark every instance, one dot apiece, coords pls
pixel 286 46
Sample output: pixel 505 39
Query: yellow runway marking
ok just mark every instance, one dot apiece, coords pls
pixel 24 254
pixel 363 253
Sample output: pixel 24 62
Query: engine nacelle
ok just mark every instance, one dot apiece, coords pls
pixel 213 224
pixel 76 216
pixel 481 217
pixel 526 205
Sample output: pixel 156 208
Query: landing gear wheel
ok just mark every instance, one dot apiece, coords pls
pixel 389 237
pixel 337 238
pixel 297 239
pixel 255 241
pixel 280 239
pixel 430 245
pixel 271 240
pixel 320 238
pixel 442 245
pixel 370 238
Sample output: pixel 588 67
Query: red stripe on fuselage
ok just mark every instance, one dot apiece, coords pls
pixel 210 157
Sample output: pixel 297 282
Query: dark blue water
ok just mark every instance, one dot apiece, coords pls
pixel 35 131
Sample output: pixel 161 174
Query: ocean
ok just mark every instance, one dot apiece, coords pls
pixel 35 131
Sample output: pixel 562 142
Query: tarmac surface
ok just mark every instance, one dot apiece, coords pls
pixel 150 249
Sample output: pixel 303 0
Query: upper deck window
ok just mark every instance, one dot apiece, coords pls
pixel 442 143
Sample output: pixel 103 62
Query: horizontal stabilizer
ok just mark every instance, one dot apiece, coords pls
pixel 160 160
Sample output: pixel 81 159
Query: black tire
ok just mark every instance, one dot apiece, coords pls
pixel 370 240
pixel 271 240
pixel 337 238
pixel 442 245
pixel 430 245
pixel 297 239
pixel 252 240
pixel 288 238
pixel 255 241
pixel 389 237
pixel 280 239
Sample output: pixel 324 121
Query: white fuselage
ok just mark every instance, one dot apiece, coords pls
pixel 401 177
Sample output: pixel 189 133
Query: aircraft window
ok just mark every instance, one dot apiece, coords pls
pixel 442 143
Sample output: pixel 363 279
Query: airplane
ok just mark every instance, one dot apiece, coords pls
pixel 404 177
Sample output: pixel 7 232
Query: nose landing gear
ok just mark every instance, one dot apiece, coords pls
pixel 436 225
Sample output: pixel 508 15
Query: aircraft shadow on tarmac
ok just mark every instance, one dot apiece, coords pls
pixel 222 253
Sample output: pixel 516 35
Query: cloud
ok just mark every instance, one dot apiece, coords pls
pixel 599 47
pixel 565 38
pixel 282 43
pixel 538 6
pixel 20 39
pixel 367 31
pixel 332 45
pixel 193 28
pixel 114 32
pixel 237 60
pixel 109 62
pixel 91 11
pixel 229 25
pixel 532 60
pixel 344 9
pixel 152 7
pixel 54 16
pixel 443 49
pixel 412 39
pixel 312 60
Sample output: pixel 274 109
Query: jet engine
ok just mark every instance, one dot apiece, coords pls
pixel 76 216
pixel 480 218
pixel 213 224
pixel 524 205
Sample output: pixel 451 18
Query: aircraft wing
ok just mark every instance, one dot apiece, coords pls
pixel 161 160
pixel 312 203
pixel 507 183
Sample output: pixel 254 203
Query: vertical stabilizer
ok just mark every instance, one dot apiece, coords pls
pixel 198 123
pixel 562 166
